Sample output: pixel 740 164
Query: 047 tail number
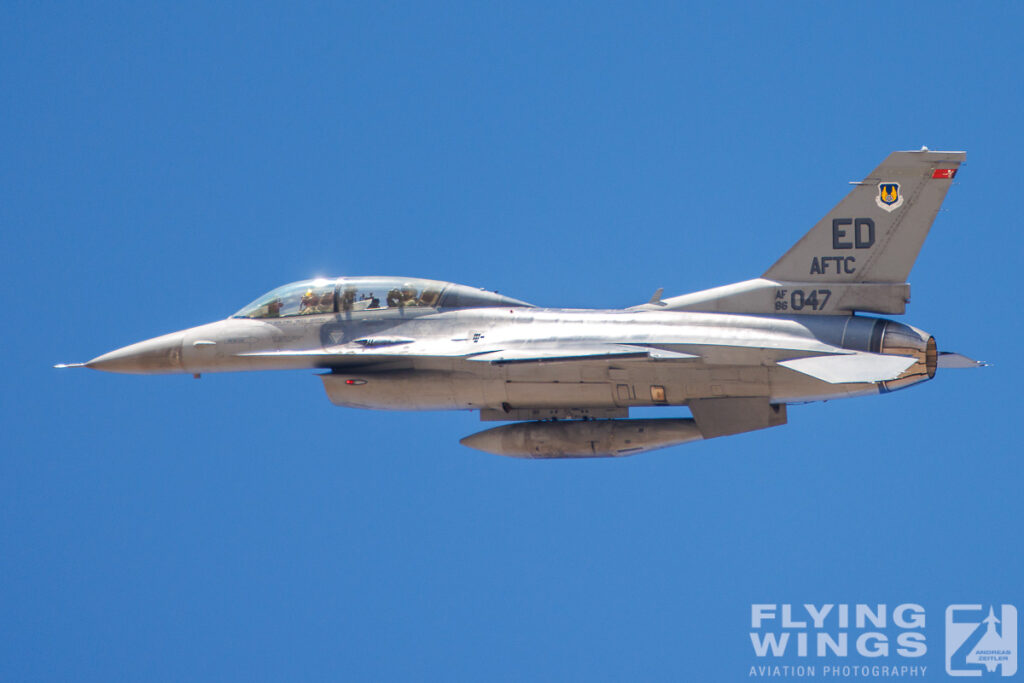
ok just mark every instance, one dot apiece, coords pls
pixel 800 299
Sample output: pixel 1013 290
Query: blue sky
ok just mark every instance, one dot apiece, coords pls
pixel 163 165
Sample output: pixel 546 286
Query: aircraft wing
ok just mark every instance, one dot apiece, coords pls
pixel 510 353
pixel 528 353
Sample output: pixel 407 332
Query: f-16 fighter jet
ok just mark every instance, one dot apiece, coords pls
pixel 566 378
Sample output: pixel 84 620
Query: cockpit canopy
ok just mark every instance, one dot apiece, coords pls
pixel 358 294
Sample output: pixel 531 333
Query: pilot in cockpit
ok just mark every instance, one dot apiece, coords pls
pixel 430 297
pixel 348 298
pixel 308 303
pixel 408 296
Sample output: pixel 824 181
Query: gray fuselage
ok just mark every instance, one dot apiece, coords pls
pixel 425 359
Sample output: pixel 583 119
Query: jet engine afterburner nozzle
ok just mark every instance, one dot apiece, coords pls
pixel 903 340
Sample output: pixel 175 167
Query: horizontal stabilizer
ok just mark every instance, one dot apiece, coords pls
pixel 853 367
pixel 948 359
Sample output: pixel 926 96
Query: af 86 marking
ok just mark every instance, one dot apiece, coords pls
pixel 799 299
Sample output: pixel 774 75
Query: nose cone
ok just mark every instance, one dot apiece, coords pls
pixel 150 357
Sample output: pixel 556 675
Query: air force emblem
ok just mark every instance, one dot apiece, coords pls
pixel 889 197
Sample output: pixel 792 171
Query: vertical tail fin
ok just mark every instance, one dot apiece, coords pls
pixel 856 258
pixel 876 232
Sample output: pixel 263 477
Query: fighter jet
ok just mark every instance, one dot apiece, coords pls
pixel 566 379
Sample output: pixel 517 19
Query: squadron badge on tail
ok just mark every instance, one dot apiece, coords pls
pixel 889 197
